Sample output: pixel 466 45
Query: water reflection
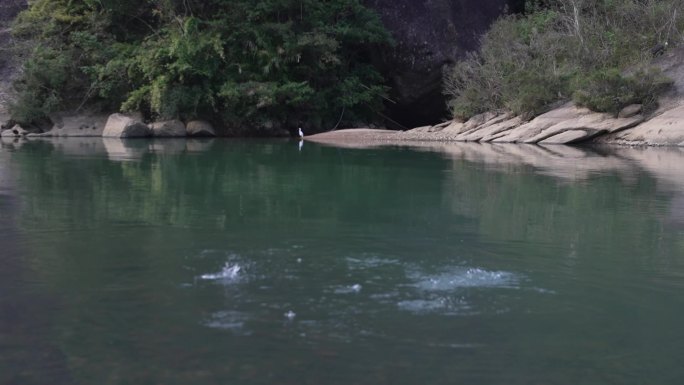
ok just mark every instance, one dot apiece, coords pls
pixel 179 261
pixel 116 149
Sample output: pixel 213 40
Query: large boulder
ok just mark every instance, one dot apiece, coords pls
pixel 16 131
pixel 168 129
pixel 429 35
pixel 122 126
pixel 200 128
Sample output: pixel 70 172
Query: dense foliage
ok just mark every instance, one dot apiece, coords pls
pixel 245 64
pixel 596 52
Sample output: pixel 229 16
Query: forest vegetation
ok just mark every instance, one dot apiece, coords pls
pixel 243 64
pixel 253 67
pixel 597 53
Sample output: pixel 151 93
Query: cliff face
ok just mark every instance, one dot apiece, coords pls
pixel 430 34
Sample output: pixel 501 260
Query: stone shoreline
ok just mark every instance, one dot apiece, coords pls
pixel 567 124
pixel 118 126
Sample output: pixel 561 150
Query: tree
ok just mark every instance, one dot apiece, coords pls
pixel 244 64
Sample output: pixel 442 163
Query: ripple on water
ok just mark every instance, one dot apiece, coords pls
pixel 441 293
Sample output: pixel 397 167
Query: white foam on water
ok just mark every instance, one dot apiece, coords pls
pixel 229 273
pixel 465 278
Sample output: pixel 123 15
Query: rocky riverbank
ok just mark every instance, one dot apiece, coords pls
pixel 565 124
pixel 118 126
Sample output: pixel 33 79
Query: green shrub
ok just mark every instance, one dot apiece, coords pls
pixel 608 90
pixel 45 75
pixel 568 49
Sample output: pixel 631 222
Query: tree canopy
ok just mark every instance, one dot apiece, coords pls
pixel 247 65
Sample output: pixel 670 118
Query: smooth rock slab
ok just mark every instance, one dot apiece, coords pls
pixel 489 132
pixel 666 129
pixel 568 137
pixel 440 127
pixel 533 128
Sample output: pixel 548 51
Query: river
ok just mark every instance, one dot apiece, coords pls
pixel 260 262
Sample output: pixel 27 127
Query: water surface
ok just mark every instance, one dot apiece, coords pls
pixel 257 262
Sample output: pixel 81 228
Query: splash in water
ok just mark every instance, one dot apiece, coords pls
pixel 228 273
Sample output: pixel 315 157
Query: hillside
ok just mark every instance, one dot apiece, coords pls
pixel 426 37
pixel 8 65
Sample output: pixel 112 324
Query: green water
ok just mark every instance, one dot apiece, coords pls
pixel 255 262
